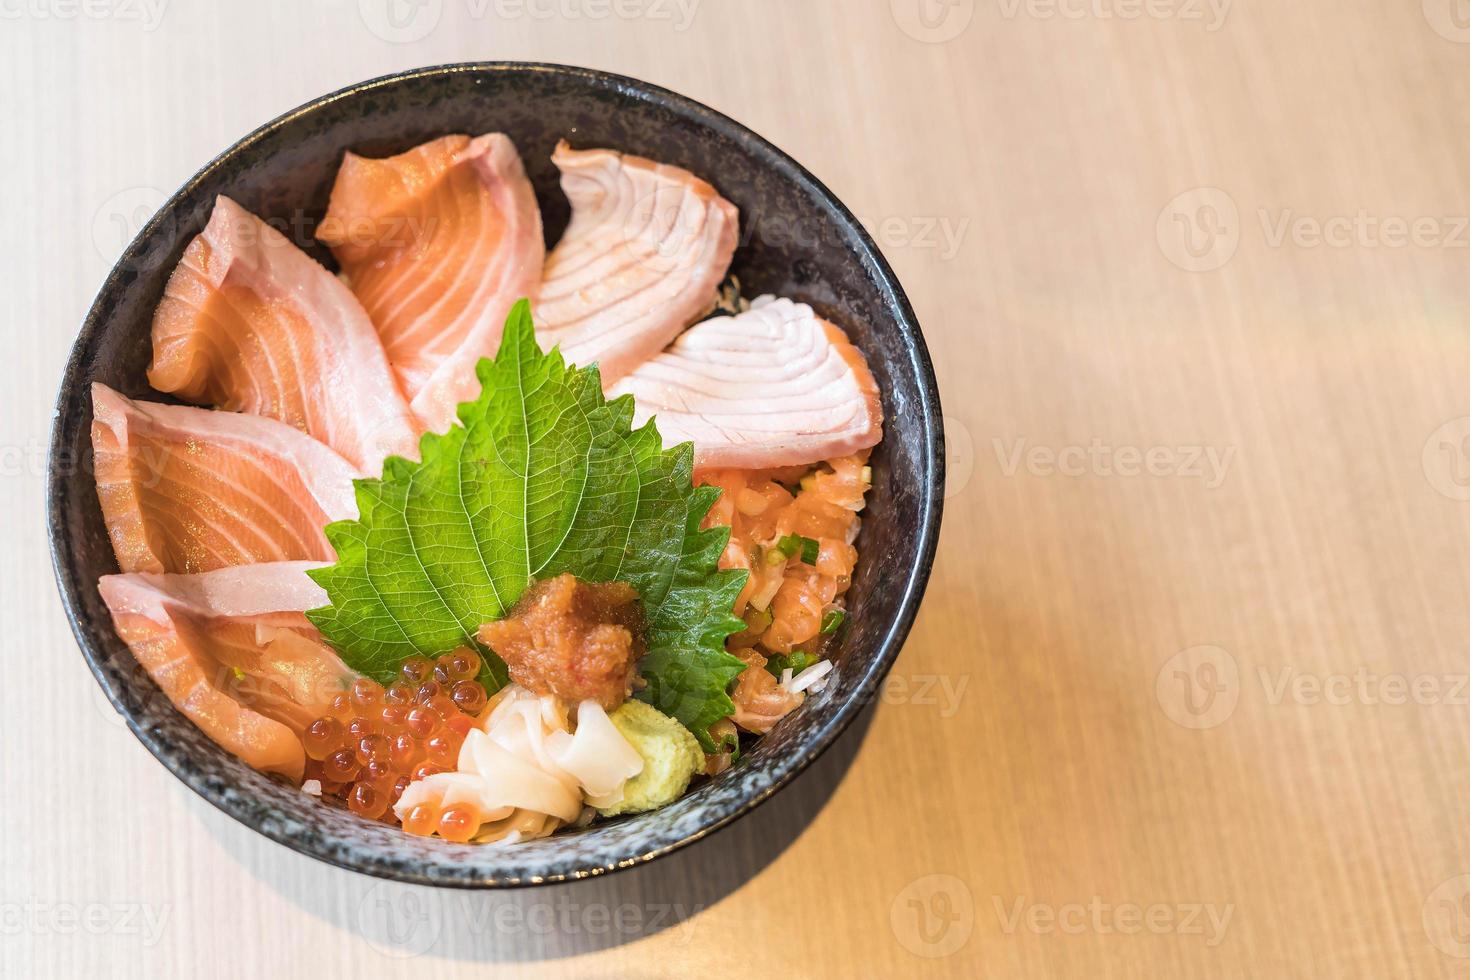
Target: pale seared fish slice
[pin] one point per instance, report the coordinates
(189, 490)
(233, 650)
(647, 246)
(774, 386)
(250, 323)
(437, 243)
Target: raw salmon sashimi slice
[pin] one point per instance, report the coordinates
(233, 650)
(437, 243)
(775, 386)
(251, 323)
(646, 249)
(189, 490)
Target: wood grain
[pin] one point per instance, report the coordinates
(1049, 747)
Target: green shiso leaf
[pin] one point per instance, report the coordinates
(542, 476)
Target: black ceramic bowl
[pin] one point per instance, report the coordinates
(797, 240)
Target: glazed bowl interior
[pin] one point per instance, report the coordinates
(796, 241)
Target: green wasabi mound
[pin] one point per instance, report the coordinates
(671, 756)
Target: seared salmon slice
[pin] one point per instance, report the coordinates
(189, 490)
(775, 386)
(232, 649)
(437, 243)
(250, 323)
(646, 249)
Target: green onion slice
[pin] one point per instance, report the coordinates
(796, 660)
(793, 544)
(831, 620)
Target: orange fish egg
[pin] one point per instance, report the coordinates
(373, 742)
(459, 823)
(422, 820)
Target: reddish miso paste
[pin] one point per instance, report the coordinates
(577, 640)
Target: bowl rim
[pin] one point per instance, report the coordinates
(931, 492)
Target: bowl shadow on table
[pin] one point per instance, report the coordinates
(550, 922)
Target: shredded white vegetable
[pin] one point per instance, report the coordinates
(809, 678)
(762, 599)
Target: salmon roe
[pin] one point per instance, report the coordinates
(457, 823)
(373, 741)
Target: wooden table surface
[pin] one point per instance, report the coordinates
(1188, 695)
